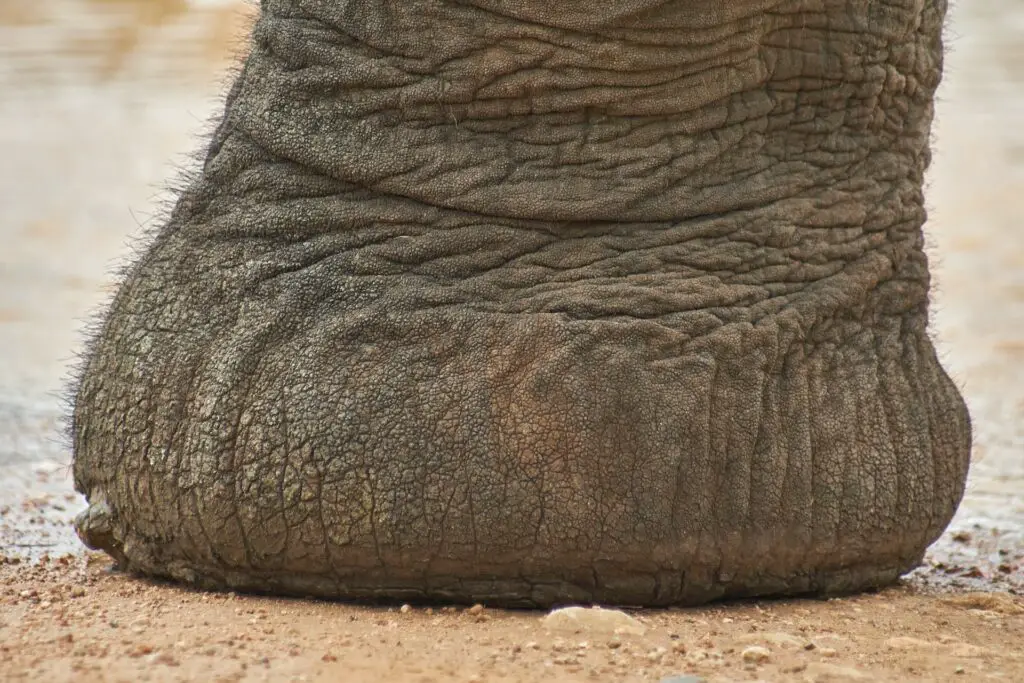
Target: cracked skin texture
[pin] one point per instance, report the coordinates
(539, 302)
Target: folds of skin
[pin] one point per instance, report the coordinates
(536, 302)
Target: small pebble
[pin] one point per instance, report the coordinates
(756, 654)
(165, 658)
(656, 654)
(141, 650)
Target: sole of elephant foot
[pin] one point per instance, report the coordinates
(522, 593)
(612, 584)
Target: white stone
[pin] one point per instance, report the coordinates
(593, 620)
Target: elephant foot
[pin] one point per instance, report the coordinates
(605, 582)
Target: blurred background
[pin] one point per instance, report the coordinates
(102, 102)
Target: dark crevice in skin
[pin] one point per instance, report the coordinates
(502, 303)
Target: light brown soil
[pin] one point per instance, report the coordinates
(73, 619)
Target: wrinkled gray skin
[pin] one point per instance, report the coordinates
(531, 302)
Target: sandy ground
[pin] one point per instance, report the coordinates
(72, 619)
(103, 99)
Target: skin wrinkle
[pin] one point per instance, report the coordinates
(537, 308)
(633, 108)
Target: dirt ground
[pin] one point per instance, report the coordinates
(72, 619)
(102, 102)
